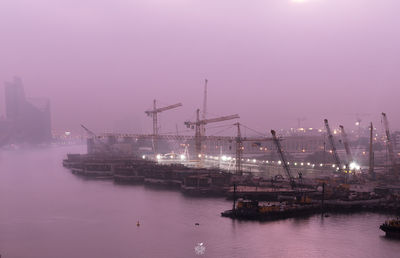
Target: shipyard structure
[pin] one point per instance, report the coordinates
(269, 175)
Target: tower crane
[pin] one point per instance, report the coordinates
(153, 113)
(283, 158)
(389, 142)
(346, 146)
(332, 142)
(240, 147)
(197, 126)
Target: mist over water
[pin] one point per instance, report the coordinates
(48, 212)
(270, 61)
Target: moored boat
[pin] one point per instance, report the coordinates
(391, 228)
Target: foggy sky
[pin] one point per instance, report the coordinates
(101, 63)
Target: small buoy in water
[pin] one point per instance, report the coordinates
(197, 224)
(327, 215)
(137, 224)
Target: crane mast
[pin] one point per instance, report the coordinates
(332, 142)
(283, 158)
(346, 146)
(389, 142)
(203, 128)
(371, 152)
(239, 150)
(154, 114)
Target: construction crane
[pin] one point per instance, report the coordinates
(240, 147)
(153, 113)
(197, 126)
(389, 143)
(332, 142)
(283, 158)
(346, 147)
(371, 152)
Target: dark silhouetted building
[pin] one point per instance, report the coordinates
(27, 120)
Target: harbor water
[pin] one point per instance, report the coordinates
(47, 212)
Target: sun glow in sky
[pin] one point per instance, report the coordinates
(299, 1)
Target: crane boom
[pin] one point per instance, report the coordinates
(389, 141)
(346, 146)
(88, 131)
(332, 142)
(283, 158)
(159, 110)
(212, 120)
(103, 145)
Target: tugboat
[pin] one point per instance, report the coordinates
(391, 228)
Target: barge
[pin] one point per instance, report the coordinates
(391, 228)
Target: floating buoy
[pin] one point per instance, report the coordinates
(197, 224)
(137, 224)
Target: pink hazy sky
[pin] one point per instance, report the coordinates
(101, 63)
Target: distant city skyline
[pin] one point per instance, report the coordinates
(27, 120)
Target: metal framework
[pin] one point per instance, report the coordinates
(346, 146)
(389, 143)
(197, 126)
(283, 158)
(153, 113)
(332, 142)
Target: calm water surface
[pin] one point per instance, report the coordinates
(47, 212)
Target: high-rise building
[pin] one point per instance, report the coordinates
(27, 120)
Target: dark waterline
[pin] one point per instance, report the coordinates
(47, 212)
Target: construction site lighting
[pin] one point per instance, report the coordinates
(183, 157)
(143, 157)
(354, 166)
(158, 156)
